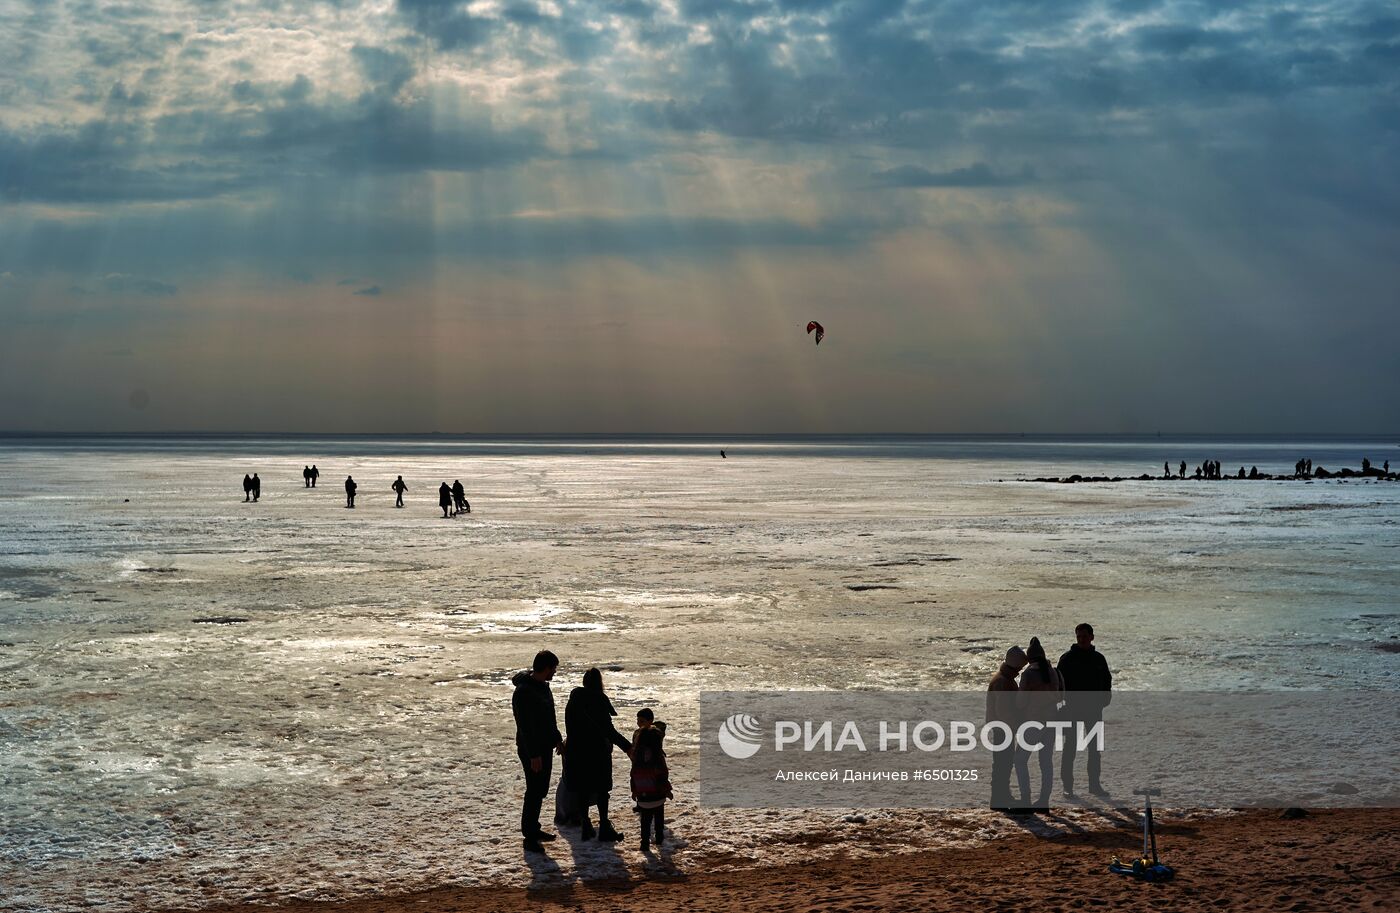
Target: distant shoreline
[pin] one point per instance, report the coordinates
(1374, 475)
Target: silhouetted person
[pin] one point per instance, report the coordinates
(1241, 475)
(591, 735)
(1386, 468)
(1365, 464)
(459, 498)
(1309, 469)
(247, 487)
(1088, 690)
(536, 736)
(306, 476)
(1254, 472)
(315, 474)
(1166, 470)
(1197, 473)
(444, 499)
(1004, 705)
(257, 487)
(651, 780)
(722, 456)
(1042, 689)
(350, 487)
(1183, 469)
(399, 488)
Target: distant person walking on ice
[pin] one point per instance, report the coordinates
(247, 487)
(1088, 690)
(315, 474)
(306, 476)
(257, 487)
(399, 488)
(350, 487)
(1183, 469)
(459, 498)
(444, 499)
(536, 736)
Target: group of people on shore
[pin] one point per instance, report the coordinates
(585, 748)
(1026, 687)
(1078, 688)
(451, 498)
(1302, 469)
(1206, 469)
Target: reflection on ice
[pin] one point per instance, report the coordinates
(314, 744)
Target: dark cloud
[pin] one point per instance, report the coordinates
(387, 70)
(371, 291)
(119, 283)
(976, 175)
(447, 23)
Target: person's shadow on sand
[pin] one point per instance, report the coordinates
(594, 860)
(544, 872)
(658, 861)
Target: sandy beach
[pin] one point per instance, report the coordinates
(1329, 860)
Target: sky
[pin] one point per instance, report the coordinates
(618, 216)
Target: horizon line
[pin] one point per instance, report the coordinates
(698, 435)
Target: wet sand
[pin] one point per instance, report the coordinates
(1329, 860)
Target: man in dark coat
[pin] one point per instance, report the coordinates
(591, 737)
(536, 736)
(1088, 690)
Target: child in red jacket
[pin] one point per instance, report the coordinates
(651, 782)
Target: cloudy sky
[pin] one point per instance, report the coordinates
(618, 215)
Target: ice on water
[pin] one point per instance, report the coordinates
(206, 700)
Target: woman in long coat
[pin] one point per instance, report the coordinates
(591, 736)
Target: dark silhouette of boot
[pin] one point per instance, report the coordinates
(533, 846)
(606, 834)
(588, 832)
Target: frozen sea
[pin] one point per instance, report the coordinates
(204, 700)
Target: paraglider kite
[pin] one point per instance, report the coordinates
(821, 331)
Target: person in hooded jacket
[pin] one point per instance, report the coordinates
(591, 736)
(1004, 705)
(247, 487)
(1042, 692)
(444, 499)
(1088, 687)
(536, 736)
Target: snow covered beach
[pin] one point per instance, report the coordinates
(204, 700)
